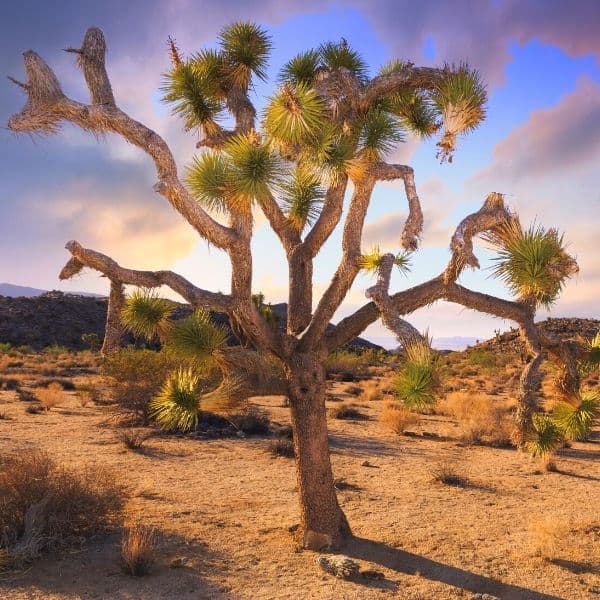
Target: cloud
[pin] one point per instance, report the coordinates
(554, 139)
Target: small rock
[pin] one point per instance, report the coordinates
(339, 565)
(179, 562)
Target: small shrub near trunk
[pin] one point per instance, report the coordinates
(282, 447)
(252, 421)
(397, 417)
(345, 411)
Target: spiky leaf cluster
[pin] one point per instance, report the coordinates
(379, 134)
(301, 198)
(372, 261)
(414, 111)
(591, 358)
(266, 310)
(545, 437)
(209, 179)
(148, 315)
(418, 378)
(177, 404)
(197, 337)
(576, 421)
(245, 48)
(533, 262)
(294, 115)
(302, 69)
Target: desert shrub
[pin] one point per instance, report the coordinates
(139, 549)
(251, 421)
(447, 473)
(482, 358)
(282, 447)
(481, 419)
(44, 505)
(35, 408)
(546, 536)
(347, 365)
(397, 417)
(132, 439)
(50, 396)
(5, 347)
(576, 421)
(9, 383)
(91, 340)
(55, 350)
(353, 390)
(134, 378)
(65, 384)
(417, 380)
(371, 391)
(345, 411)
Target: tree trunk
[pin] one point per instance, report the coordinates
(113, 332)
(527, 403)
(324, 524)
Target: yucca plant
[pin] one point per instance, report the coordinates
(414, 110)
(575, 421)
(294, 115)
(545, 437)
(196, 337)
(301, 198)
(341, 55)
(209, 178)
(460, 98)
(417, 381)
(302, 69)
(591, 355)
(147, 315)
(178, 403)
(532, 262)
(372, 261)
(246, 48)
(379, 134)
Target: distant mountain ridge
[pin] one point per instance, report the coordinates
(21, 291)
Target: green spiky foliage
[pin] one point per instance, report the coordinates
(302, 69)
(394, 66)
(591, 358)
(177, 404)
(301, 198)
(418, 379)
(533, 262)
(194, 92)
(266, 310)
(379, 134)
(295, 115)
(148, 315)
(341, 55)
(460, 98)
(576, 421)
(197, 337)
(209, 179)
(246, 48)
(255, 167)
(545, 437)
(372, 261)
(414, 111)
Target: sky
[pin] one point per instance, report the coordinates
(540, 143)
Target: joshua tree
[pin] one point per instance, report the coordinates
(321, 143)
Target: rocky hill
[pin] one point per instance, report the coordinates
(564, 328)
(57, 318)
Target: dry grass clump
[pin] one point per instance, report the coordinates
(139, 549)
(546, 536)
(448, 474)
(371, 391)
(345, 411)
(50, 396)
(251, 421)
(133, 439)
(44, 505)
(397, 417)
(481, 419)
(353, 389)
(282, 447)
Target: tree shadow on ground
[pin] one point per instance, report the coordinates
(576, 566)
(407, 563)
(95, 571)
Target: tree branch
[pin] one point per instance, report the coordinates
(198, 298)
(47, 106)
(414, 222)
(490, 215)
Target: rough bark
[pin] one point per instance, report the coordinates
(113, 332)
(324, 524)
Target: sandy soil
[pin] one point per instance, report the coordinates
(224, 506)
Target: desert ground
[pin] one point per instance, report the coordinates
(435, 513)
